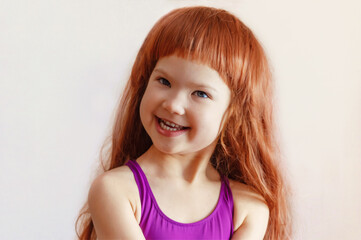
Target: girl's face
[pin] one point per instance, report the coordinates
(183, 106)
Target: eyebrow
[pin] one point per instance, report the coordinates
(161, 71)
(194, 84)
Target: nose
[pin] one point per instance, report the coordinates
(175, 104)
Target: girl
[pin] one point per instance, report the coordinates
(193, 152)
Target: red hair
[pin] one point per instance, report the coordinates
(247, 149)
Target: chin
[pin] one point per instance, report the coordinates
(167, 150)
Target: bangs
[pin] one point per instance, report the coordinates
(209, 36)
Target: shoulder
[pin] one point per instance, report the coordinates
(113, 185)
(114, 201)
(115, 175)
(115, 181)
(251, 212)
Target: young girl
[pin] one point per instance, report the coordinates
(193, 152)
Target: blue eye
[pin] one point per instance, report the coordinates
(201, 94)
(164, 81)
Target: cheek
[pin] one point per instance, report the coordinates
(141, 111)
(208, 122)
(144, 107)
(213, 120)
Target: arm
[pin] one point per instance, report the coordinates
(111, 210)
(251, 213)
(255, 224)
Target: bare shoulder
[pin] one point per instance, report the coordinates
(246, 195)
(114, 201)
(116, 176)
(114, 185)
(117, 182)
(251, 212)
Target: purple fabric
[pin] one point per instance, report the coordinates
(156, 225)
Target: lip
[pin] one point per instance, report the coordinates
(168, 133)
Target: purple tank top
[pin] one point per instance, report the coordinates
(156, 225)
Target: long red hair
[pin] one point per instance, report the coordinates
(247, 149)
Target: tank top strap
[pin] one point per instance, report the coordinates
(141, 181)
(228, 191)
(228, 197)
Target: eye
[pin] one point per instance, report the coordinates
(201, 94)
(164, 81)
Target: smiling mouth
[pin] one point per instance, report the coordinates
(169, 126)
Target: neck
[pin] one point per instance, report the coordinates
(188, 167)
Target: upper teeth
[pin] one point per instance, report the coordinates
(172, 124)
(174, 127)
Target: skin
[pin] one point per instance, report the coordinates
(177, 165)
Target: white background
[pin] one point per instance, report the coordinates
(63, 65)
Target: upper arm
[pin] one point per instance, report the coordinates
(255, 224)
(111, 210)
(251, 213)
